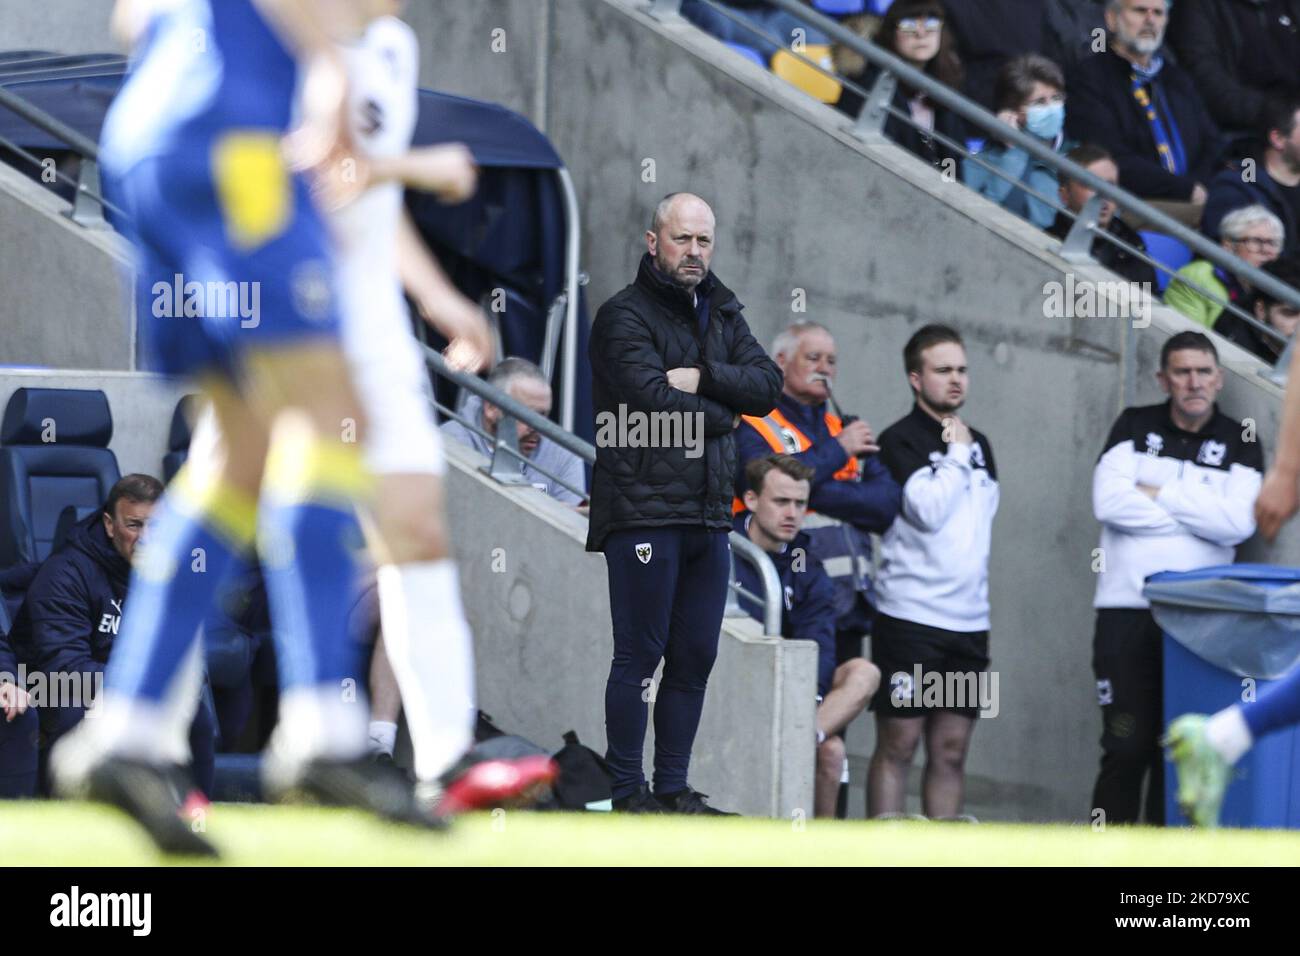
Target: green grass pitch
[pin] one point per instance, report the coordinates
(69, 834)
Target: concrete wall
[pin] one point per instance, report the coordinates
(877, 244)
(539, 607)
(141, 406)
(61, 26)
(65, 298)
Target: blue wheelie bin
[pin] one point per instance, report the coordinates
(1229, 632)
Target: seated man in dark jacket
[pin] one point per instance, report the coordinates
(19, 729)
(1271, 180)
(70, 616)
(853, 494)
(1241, 53)
(777, 500)
(1146, 112)
(1075, 195)
(1281, 317)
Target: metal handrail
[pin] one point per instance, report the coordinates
(892, 67)
(504, 440)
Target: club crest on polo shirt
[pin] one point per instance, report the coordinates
(1154, 444)
(1105, 693)
(643, 552)
(1212, 453)
(977, 456)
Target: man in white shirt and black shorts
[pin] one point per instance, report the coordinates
(932, 626)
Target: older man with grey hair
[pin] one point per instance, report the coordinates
(547, 467)
(1147, 112)
(1252, 234)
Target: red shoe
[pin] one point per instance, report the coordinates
(480, 784)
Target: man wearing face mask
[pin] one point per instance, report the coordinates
(1030, 98)
(1147, 112)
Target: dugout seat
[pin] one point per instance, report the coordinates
(178, 439)
(53, 453)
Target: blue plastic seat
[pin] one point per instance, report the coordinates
(879, 7)
(749, 52)
(840, 8)
(178, 439)
(53, 453)
(1168, 251)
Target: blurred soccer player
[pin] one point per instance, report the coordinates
(192, 151)
(1202, 748)
(426, 637)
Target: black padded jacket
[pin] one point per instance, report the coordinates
(638, 335)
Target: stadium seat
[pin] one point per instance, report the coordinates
(1169, 252)
(840, 8)
(879, 7)
(747, 51)
(68, 518)
(799, 74)
(53, 453)
(178, 439)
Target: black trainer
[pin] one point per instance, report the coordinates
(642, 801)
(381, 788)
(690, 801)
(151, 795)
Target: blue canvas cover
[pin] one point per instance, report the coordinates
(1243, 618)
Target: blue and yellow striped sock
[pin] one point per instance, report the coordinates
(309, 532)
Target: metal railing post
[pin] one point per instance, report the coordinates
(870, 124)
(1077, 246)
(504, 467)
(87, 204)
(665, 9)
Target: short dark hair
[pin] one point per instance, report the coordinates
(925, 337)
(135, 488)
(1085, 154)
(1279, 114)
(1283, 270)
(757, 470)
(1187, 340)
(1017, 77)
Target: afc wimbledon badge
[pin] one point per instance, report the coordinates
(643, 552)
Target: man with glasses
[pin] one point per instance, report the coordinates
(1252, 234)
(1146, 111)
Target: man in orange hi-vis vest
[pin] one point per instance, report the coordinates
(853, 494)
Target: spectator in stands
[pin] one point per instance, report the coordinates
(1030, 98)
(524, 382)
(1243, 54)
(1075, 195)
(19, 730)
(1252, 234)
(776, 496)
(1146, 111)
(72, 610)
(763, 21)
(1280, 316)
(932, 587)
(853, 493)
(673, 344)
(1174, 489)
(988, 33)
(916, 31)
(1272, 181)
